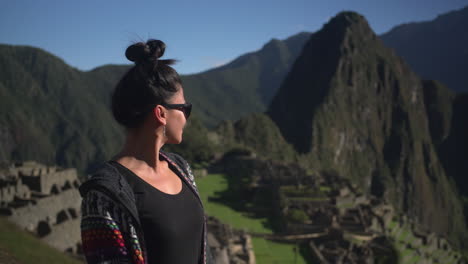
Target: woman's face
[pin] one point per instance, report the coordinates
(175, 119)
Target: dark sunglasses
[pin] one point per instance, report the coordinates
(185, 108)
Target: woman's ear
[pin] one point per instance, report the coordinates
(160, 114)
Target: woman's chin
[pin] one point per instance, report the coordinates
(174, 141)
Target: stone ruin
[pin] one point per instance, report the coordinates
(229, 246)
(43, 200)
(342, 225)
(338, 223)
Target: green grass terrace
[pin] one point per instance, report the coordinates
(235, 212)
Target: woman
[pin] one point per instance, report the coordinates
(143, 205)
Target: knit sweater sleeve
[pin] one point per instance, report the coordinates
(107, 233)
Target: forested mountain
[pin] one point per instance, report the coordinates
(51, 112)
(437, 49)
(55, 114)
(352, 106)
(257, 133)
(245, 85)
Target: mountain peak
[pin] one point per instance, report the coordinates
(345, 20)
(350, 105)
(349, 17)
(330, 54)
(273, 44)
(350, 28)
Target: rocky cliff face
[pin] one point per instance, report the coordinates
(446, 114)
(453, 150)
(350, 105)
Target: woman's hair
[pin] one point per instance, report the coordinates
(149, 83)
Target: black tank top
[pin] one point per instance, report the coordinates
(172, 224)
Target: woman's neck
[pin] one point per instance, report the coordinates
(141, 148)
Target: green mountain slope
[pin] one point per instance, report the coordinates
(51, 112)
(245, 85)
(55, 114)
(257, 133)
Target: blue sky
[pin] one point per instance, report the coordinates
(200, 34)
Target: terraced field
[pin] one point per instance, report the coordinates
(412, 251)
(266, 252)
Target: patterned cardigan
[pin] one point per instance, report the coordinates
(110, 227)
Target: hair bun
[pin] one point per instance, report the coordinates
(141, 52)
(156, 48)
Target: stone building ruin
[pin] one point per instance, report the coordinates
(43, 200)
(229, 246)
(337, 222)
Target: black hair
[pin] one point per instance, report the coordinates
(149, 82)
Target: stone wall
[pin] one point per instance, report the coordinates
(65, 236)
(229, 246)
(50, 181)
(32, 168)
(11, 188)
(43, 200)
(46, 210)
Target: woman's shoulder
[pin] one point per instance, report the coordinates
(180, 162)
(175, 158)
(106, 176)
